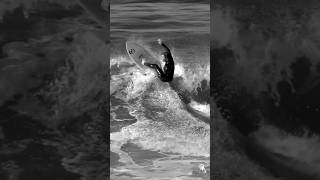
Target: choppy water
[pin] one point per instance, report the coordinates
(160, 130)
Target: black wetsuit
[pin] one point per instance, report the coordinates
(168, 70)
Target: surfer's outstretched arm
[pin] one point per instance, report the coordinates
(163, 45)
(166, 47)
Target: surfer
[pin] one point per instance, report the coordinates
(165, 75)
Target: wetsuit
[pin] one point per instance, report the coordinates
(168, 70)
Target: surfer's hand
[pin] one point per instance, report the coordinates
(159, 41)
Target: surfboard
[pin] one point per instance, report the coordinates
(136, 52)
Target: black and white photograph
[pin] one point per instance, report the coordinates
(266, 89)
(159, 89)
(53, 66)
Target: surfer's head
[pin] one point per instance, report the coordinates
(164, 58)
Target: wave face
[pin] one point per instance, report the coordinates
(266, 59)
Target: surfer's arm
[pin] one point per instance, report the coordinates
(166, 47)
(163, 45)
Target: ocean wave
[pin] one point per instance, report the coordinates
(191, 81)
(260, 60)
(229, 160)
(303, 148)
(163, 123)
(162, 126)
(266, 63)
(70, 81)
(79, 86)
(270, 69)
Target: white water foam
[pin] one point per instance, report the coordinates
(304, 148)
(204, 108)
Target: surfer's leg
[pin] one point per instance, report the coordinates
(159, 71)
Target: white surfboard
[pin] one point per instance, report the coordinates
(136, 52)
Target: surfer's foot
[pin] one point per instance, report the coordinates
(159, 41)
(143, 61)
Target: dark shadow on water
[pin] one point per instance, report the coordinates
(140, 156)
(114, 160)
(41, 162)
(22, 145)
(297, 109)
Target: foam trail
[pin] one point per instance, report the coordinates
(205, 108)
(304, 148)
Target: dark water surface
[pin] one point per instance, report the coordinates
(52, 103)
(266, 56)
